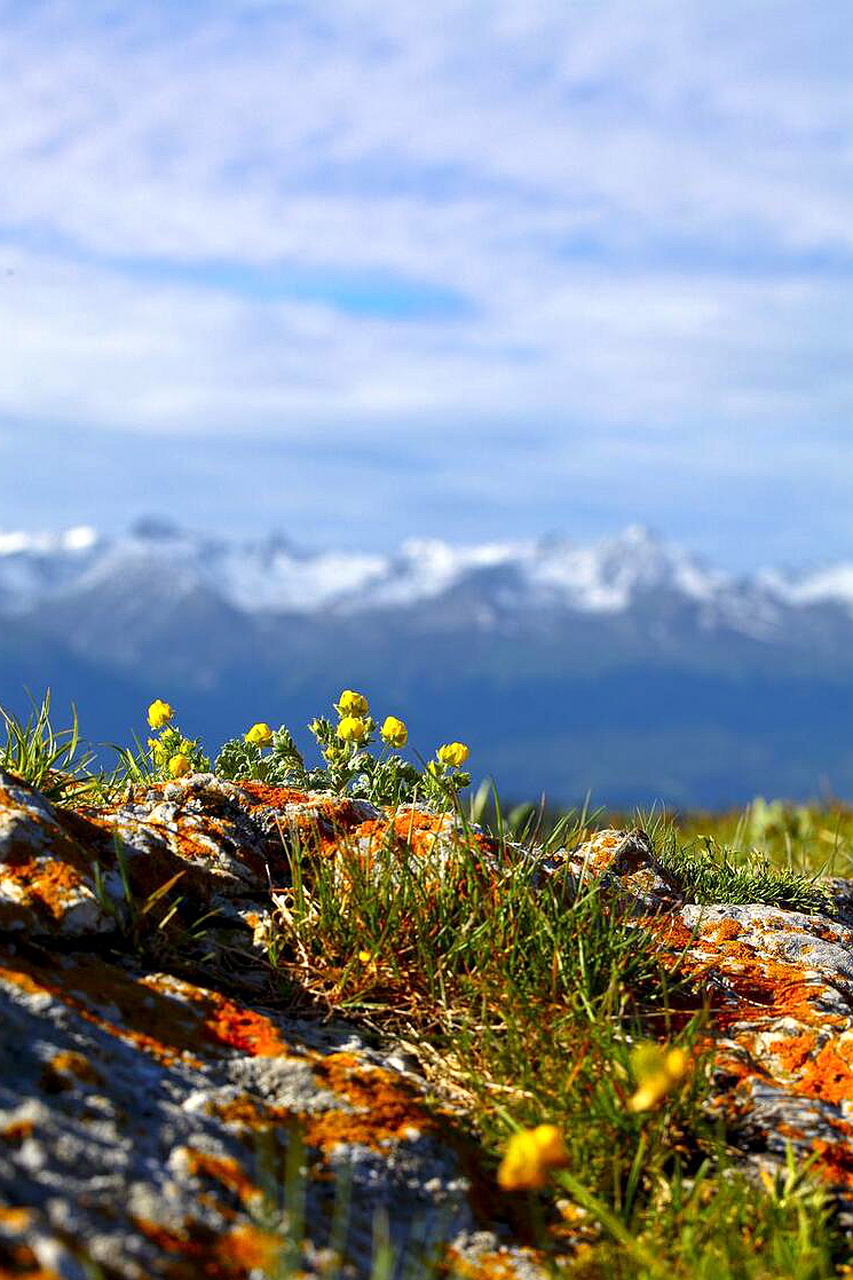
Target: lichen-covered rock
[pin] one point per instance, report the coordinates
(624, 863)
(780, 987)
(152, 1116)
(145, 1124)
(149, 1122)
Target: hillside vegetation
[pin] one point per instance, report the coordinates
(548, 972)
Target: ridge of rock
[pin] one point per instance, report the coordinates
(146, 1115)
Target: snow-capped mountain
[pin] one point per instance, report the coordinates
(166, 564)
(627, 665)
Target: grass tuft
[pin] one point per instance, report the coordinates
(526, 1007)
(50, 759)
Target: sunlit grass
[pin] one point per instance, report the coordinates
(531, 1008)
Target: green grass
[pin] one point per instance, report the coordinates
(51, 759)
(528, 1003)
(712, 871)
(525, 1005)
(809, 839)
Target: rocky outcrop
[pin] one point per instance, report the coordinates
(155, 1118)
(148, 1120)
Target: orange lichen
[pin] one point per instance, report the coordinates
(340, 812)
(723, 931)
(827, 1076)
(492, 1265)
(247, 1248)
(163, 1017)
(227, 1023)
(758, 988)
(224, 1170)
(241, 1028)
(64, 1069)
(261, 793)
(793, 1051)
(197, 1252)
(243, 1111)
(69, 1062)
(46, 885)
(17, 1132)
(419, 831)
(835, 1161)
(384, 1108)
(15, 1217)
(158, 1025)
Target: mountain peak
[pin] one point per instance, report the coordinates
(501, 579)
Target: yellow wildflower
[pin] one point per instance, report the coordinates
(159, 713)
(530, 1155)
(455, 753)
(260, 734)
(352, 729)
(351, 703)
(394, 732)
(179, 765)
(365, 957)
(657, 1070)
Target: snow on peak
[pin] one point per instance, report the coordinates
(34, 566)
(272, 576)
(79, 538)
(832, 584)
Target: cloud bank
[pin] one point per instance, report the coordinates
(595, 238)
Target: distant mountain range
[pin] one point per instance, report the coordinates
(627, 667)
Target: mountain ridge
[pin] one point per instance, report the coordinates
(629, 667)
(272, 575)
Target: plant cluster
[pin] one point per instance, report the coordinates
(580, 1057)
(171, 753)
(360, 758)
(51, 759)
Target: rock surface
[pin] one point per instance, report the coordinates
(146, 1118)
(152, 1122)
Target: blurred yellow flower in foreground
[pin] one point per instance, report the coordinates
(394, 732)
(351, 703)
(530, 1155)
(260, 734)
(159, 713)
(179, 765)
(455, 753)
(656, 1070)
(352, 729)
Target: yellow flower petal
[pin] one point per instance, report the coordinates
(522, 1167)
(394, 732)
(352, 729)
(159, 713)
(552, 1149)
(656, 1070)
(260, 734)
(351, 703)
(529, 1156)
(453, 753)
(179, 765)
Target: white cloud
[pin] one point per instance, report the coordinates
(82, 344)
(646, 209)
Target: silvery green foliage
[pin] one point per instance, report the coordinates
(350, 768)
(280, 765)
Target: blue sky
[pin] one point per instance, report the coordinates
(359, 270)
